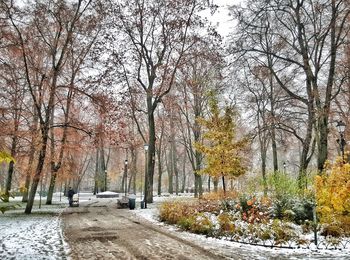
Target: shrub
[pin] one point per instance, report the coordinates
(333, 195)
(172, 212)
(264, 234)
(332, 230)
(5, 205)
(226, 222)
(307, 226)
(215, 201)
(201, 224)
(186, 222)
(220, 195)
(252, 209)
(283, 232)
(303, 210)
(212, 206)
(283, 190)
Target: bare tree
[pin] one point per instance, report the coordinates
(157, 34)
(305, 38)
(52, 27)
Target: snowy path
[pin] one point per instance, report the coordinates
(35, 236)
(97, 230)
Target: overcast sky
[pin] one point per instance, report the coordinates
(221, 16)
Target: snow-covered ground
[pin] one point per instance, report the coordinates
(256, 252)
(34, 236)
(39, 235)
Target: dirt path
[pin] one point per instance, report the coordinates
(97, 230)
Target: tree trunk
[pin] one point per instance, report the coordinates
(134, 168)
(54, 169)
(96, 172)
(51, 187)
(183, 175)
(263, 155)
(323, 142)
(29, 172)
(102, 176)
(306, 154)
(11, 166)
(160, 171)
(151, 147)
(223, 184)
(263, 168)
(209, 180)
(216, 184)
(198, 191)
(9, 181)
(27, 184)
(170, 173)
(38, 171)
(272, 112)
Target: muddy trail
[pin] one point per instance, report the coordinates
(98, 230)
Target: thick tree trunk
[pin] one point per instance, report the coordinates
(54, 169)
(9, 181)
(51, 187)
(323, 142)
(29, 172)
(38, 171)
(305, 153)
(151, 145)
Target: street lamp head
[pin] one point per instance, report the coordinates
(145, 146)
(126, 162)
(341, 127)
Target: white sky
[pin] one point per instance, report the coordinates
(221, 17)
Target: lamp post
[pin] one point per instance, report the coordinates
(146, 177)
(126, 175)
(341, 129)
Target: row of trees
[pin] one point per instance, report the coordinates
(87, 83)
(79, 77)
(295, 73)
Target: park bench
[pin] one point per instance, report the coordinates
(123, 203)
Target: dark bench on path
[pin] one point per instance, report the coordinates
(123, 203)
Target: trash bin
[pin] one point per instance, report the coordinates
(142, 204)
(132, 202)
